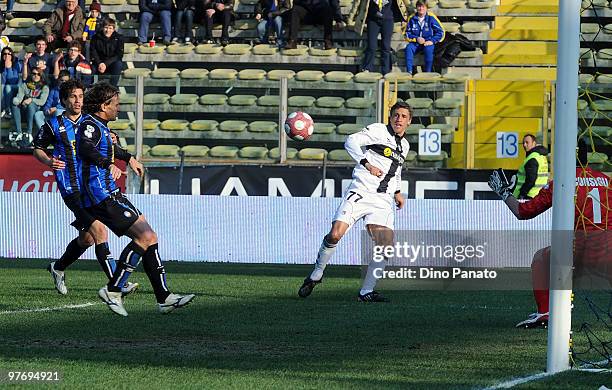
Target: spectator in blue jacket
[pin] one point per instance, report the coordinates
(423, 32)
(53, 105)
(11, 68)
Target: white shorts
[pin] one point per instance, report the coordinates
(375, 209)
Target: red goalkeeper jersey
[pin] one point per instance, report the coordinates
(593, 201)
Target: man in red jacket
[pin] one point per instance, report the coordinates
(592, 223)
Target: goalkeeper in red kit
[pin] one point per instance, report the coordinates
(592, 224)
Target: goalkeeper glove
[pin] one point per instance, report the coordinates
(499, 183)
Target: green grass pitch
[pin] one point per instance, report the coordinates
(248, 329)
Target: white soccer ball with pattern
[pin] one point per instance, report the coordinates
(299, 126)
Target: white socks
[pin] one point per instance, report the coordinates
(326, 251)
(369, 282)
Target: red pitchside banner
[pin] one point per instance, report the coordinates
(23, 173)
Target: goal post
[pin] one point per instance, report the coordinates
(566, 120)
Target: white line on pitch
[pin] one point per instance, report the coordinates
(520, 381)
(43, 309)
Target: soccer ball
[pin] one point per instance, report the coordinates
(299, 126)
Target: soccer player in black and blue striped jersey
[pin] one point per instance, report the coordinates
(59, 131)
(103, 200)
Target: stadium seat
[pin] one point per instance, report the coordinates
(351, 53)
(184, 99)
(222, 74)
(329, 102)
(208, 49)
(309, 75)
(180, 49)
(237, 49)
(582, 104)
(451, 27)
(410, 158)
(156, 50)
(156, 98)
(480, 4)
(268, 101)
(349, 128)
(223, 152)
(301, 50)
(448, 103)
(432, 161)
(21, 23)
(119, 125)
(213, 99)
(338, 76)
(312, 154)
(451, 4)
(359, 103)
(252, 74)
(277, 74)
(321, 52)
(242, 100)
(135, 72)
(367, 77)
(127, 99)
(204, 125)
(150, 124)
(245, 24)
(132, 149)
(426, 77)
(165, 73)
(233, 126)
(190, 74)
(589, 28)
(444, 128)
(174, 125)
(419, 103)
(195, 150)
(264, 50)
(601, 105)
(470, 53)
(604, 79)
(324, 128)
(585, 78)
(254, 152)
(129, 48)
(474, 27)
(274, 153)
(263, 127)
(301, 101)
(164, 151)
(455, 78)
(339, 155)
(400, 77)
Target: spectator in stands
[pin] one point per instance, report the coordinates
(10, 4)
(423, 32)
(107, 52)
(315, 12)
(216, 11)
(92, 25)
(269, 14)
(532, 175)
(53, 105)
(380, 17)
(185, 10)
(75, 63)
(65, 25)
(40, 60)
(150, 9)
(11, 68)
(31, 96)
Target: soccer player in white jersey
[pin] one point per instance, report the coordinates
(379, 151)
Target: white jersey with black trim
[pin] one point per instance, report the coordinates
(380, 146)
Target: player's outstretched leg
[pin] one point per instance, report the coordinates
(74, 250)
(540, 271)
(326, 251)
(381, 235)
(156, 273)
